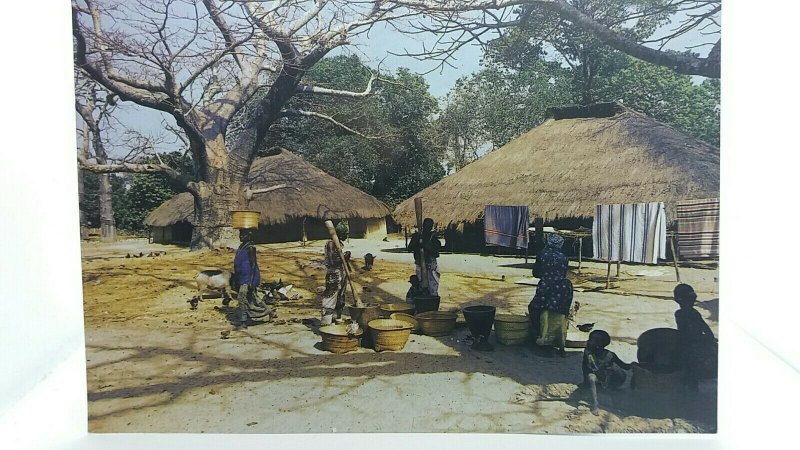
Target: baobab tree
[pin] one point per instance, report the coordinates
(223, 71)
(94, 108)
(457, 23)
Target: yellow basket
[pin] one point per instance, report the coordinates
(436, 323)
(245, 219)
(335, 339)
(406, 318)
(388, 334)
(511, 329)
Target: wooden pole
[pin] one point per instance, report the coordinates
(580, 253)
(335, 239)
(423, 266)
(618, 263)
(608, 275)
(538, 224)
(675, 258)
(304, 236)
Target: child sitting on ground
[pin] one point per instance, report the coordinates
(415, 290)
(601, 365)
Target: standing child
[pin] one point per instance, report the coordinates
(601, 366)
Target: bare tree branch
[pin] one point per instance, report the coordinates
(454, 16)
(137, 168)
(309, 89)
(300, 112)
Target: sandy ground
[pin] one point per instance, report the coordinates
(155, 365)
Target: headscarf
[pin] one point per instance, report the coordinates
(554, 240)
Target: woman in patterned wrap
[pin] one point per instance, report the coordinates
(550, 305)
(335, 283)
(247, 278)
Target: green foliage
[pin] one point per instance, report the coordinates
(544, 35)
(671, 98)
(495, 105)
(397, 160)
(143, 193)
(549, 62)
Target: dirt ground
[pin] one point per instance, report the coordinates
(155, 365)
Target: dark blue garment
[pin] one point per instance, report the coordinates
(506, 226)
(554, 291)
(244, 273)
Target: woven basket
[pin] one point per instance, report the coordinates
(335, 339)
(406, 318)
(388, 334)
(245, 219)
(511, 329)
(436, 323)
(388, 308)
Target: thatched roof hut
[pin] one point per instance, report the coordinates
(311, 193)
(578, 158)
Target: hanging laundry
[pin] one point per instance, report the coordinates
(506, 226)
(698, 228)
(634, 232)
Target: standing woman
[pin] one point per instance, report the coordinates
(429, 243)
(247, 278)
(335, 283)
(550, 305)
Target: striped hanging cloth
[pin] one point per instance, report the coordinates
(698, 228)
(634, 232)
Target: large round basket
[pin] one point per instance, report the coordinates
(388, 308)
(388, 334)
(406, 318)
(245, 219)
(335, 339)
(511, 329)
(436, 323)
(363, 315)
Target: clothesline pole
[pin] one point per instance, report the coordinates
(675, 258)
(608, 274)
(618, 264)
(580, 253)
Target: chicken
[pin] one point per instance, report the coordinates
(586, 327)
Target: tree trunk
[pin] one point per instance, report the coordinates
(108, 229)
(81, 214)
(81, 185)
(216, 197)
(212, 219)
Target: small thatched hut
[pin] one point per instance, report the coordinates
(312, 196)
(578, 158)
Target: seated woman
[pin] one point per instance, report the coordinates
(691, 348)
(696, 346)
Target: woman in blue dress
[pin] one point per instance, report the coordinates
(550, 305)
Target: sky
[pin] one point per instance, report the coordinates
(377, 48)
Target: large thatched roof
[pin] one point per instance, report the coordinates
(578, 158)
(320, 195)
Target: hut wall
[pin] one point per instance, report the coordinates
(179, 233)
(374, 228)
(162, 235)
